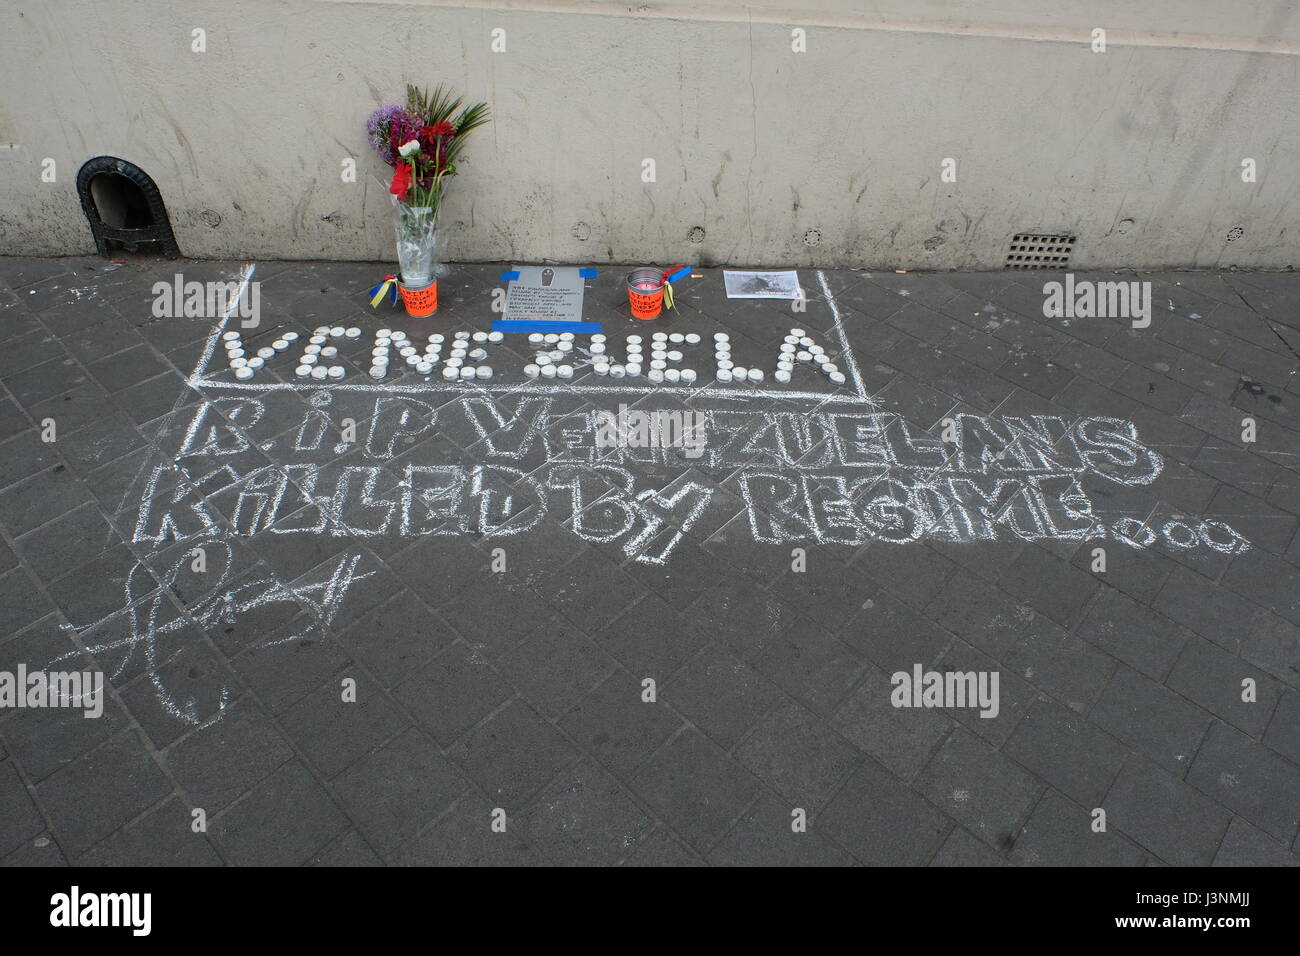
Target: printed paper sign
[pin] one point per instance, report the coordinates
(544, 294)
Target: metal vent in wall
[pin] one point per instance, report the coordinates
(1039, 251)
(124, 207)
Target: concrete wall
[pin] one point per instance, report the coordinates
(1137, 150)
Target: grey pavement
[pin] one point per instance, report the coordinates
(464, 633)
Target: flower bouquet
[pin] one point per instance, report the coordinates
(422, 142)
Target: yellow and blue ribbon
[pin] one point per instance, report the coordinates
(677, 272)
(387, 287)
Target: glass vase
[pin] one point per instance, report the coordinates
(417, 244)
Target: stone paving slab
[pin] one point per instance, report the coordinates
(432, 622)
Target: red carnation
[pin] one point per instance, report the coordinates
(444, 129)
(401, 186)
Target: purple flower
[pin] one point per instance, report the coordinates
(382, 127)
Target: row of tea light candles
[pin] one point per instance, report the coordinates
(466, 348)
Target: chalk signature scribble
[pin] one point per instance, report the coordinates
(154, 627)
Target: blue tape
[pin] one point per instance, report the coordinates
(544, 325)
(587, 273)
(509, 274)
(680, 274)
